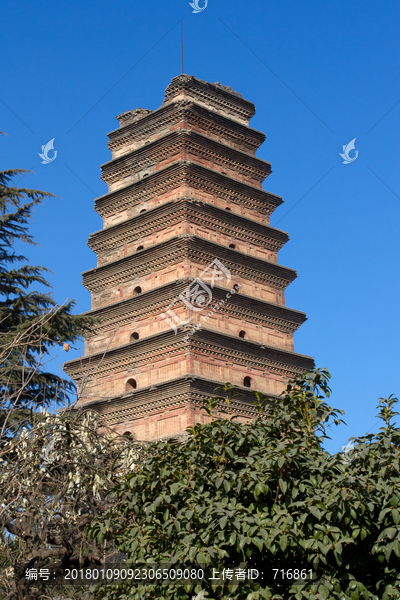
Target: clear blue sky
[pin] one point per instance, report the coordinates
(320, 74)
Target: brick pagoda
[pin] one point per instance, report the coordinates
(187, 284)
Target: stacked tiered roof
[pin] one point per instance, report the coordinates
(187, 285)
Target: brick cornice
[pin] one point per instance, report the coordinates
(186, 391)
(184, 141)
(204, 342)
(216, 97)
(191, 210)
(191, 247)
(168, 115)
(193, 176)
(157, 300)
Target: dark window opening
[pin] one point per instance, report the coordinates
(232, 246)
(138, 290)
(134, 336)
(130, 385)
(247, 382)
(242, 334)
(139, 248)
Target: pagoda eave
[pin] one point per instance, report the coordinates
(137, 131)
(196, 212)
(158, 299)
(191, 175)
(191, 143)
(191, 247)
(204, 341)
(166, 398)
(222, 99)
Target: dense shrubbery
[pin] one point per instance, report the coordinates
(266, 494)
(54, 476)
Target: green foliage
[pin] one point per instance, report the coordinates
(31, 322)
(268, 496)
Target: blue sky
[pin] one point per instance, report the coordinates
(319, 74)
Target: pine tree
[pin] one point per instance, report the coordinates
(31, 322)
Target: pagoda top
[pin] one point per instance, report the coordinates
(216, 97)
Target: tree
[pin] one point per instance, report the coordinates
(54, 476)
(266, 496)
(55, 470)
(31, 322)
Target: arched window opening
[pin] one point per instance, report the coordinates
(242, 334)
(130, 385)
(139, 248)
(227, 208)
(232, 246)
(143, 210)
(127, 434)
(134, 336)
(138, 290)
(247, 381)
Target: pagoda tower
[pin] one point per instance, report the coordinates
(187, 285)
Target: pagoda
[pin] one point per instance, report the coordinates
(187, 285)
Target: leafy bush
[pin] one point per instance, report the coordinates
(265, 495)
